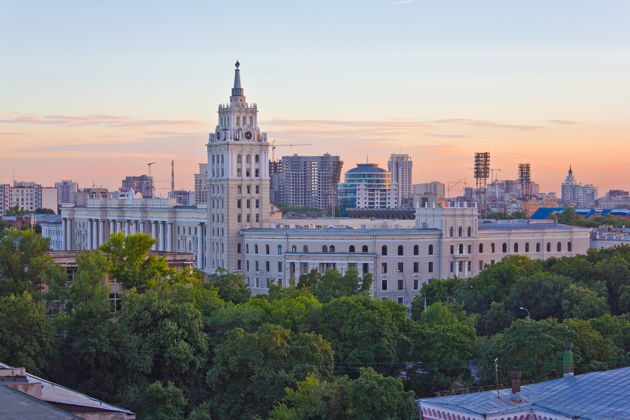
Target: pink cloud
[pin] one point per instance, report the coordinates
(96, 120)
(564, 122)
(488, 124)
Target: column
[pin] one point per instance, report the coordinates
(154, 233)
(64, 232)
(101, 232)
(88, 245)
(112, 226)
(132, 225)
(125, 226)
(94, 243)
(160, 236)
(169, 239)
(200, 246)
(69, 234)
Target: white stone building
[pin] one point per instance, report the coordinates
(237, 230)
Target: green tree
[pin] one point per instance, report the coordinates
(131, 264)
(44, 211)
(24, 265)
(15, 211)
(332, 284)
(494, 320)
(231, 286)
(364, 331)
(26, 334)
(159, 402)
(370, 396)
(250, 370)
(614, 272)
(583, 303)
(541, 293)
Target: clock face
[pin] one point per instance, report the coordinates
(248, 135)
(218, 135)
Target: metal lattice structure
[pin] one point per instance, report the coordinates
(482, 173)
(525, 178)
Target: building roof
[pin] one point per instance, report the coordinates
(336, 230)
(596, 395)
(366, 168)
(18, 405)
(58, 394)
(524, 225)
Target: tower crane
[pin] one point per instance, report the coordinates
(149, 166)
(451, 185)
(274, 145)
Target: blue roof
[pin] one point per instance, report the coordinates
(546, 212)
(596, 395)
(366, 167)
(528, 226)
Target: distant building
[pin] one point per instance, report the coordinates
(201, 186)
(427, 194)
(51, 229)
(5, 198)
(367, 187)
(400, 168)
(31, 196)
(66, 190)
(308, 181)
(142, 184)
(276, 186)
(613, 199)
(82, 196)
(183, 197)
(574, 193)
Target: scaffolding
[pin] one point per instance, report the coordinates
(482, 173)
(525, 178)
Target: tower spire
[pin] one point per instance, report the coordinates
(237, 90)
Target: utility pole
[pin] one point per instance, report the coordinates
(172, 176)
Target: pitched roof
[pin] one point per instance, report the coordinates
(596, 395)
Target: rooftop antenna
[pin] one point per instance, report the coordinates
(172, 176)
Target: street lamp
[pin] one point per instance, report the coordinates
(528, 315)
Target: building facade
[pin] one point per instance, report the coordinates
(31, 196)
(66, 191)
(308, 181)
(367, 186)
(142, 184)
(577, 194)
(201, 187)
(400, 167)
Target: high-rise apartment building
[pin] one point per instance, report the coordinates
(577, 194)
(201, 187)
(142, 184)
(309, 181)
(66, 191)
(400, 167)
(367, 187)
(31, 196)
(5, 198)
(238, 179)
(276, 186)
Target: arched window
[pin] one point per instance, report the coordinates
(492, 248)
(450, 231)
(293, 248)
(460, 231)
(461, 248)
(515, 246)
(481, 248)
(305, 248)
(469, 231)
(351, 248)
(431, 249)
(267, 249)
(256, 249)
(548, 246)
(416, 250)
(537, 246)
(247, 159)
(256, 158)
(504, 247)
(331, 248)
(239, 158)
(526, 246)
(364, 249)
(569, 246)
(384, 250)
(324, 248)
(400, 250)
(559, 247)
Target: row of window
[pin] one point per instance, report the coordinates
(460, 231)
(332, 248)
(400, 267)
(504, 247)
(400, 286)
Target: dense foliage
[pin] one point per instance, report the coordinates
(186, 346)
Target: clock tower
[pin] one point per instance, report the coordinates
(238, 180)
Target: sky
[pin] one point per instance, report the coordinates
(93, 91)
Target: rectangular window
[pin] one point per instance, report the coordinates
(470, 249)
(238, 204)
(469, 265)
(416, 284)
(452, 267)
(247, 264)
(239, 218)
(256, 172)
(452, 249)
(249, 189)
(257, 204)
(257, 217)
(267, 266)
(239, 189)
(249, 204)
(384, 268)
(430, 266)
(383, 284)
(238, 264)
(401, 267)
(480, 265)
(257, 189)
(401, 300)
(416, 267)
(257, 265)
(249, 218)
(279, 266)
(400, 284)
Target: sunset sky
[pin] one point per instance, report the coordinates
(94, 90)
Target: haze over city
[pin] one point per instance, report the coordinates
(95, 92)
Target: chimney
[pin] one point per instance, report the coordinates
(516, 385)
(567, 359)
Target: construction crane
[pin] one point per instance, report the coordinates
(149, 166)
(453, 184)
(274, 145)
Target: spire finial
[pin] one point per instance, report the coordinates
(237, 64)
(237, 90)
